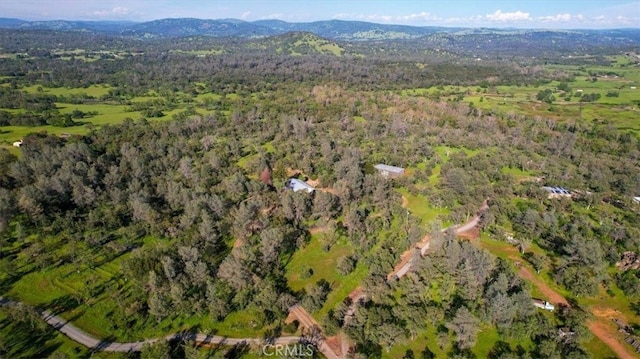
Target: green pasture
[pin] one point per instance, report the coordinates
(517, 173)
(420, 207)
(623, 109)
(598, 349)
(85, 296)
(425, 338)
(93, 90)
(322, 263)
(20, 344)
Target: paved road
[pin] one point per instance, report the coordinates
(89, 341)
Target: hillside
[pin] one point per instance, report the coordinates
(336, 30)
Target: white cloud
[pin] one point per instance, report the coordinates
(508, 16)
(116, 12)
(410, 18)
(499, 18)
(277, 15)
(376, 17)
(422, 16)
(556, 18)
(245, 15)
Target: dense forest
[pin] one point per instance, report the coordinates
(198, 209)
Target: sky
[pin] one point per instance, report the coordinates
(554, 14)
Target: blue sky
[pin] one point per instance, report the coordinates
(478, 13)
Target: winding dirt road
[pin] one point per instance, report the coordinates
(91, 342)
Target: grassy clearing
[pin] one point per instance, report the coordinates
(421, 208)
(622, 109)
(324, 264)
(21, 344)
(517, 173)
(341, 290)
(93, 90)
(426, 338)
(321, 262)
(598, 349)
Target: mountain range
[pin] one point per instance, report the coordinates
(330, 29)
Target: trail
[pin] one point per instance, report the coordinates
(78, 335)
(551, 295)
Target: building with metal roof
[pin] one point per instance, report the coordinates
(389, 171)
(298, 185)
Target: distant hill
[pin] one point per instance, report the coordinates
(65, 25)
(299, 43)
(354, 30)
(191, 27)
(9, 23)
(332, 29)
(469, 41)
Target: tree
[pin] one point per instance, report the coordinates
(158, 306)
(465, 326)
(346, 264)
(159, 349)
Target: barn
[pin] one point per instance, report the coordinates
(389, 171)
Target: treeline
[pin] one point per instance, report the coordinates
(242, 65)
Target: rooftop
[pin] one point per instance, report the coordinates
(557, 190)
(391, 169)
(298, 185)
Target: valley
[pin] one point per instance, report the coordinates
(144, 190)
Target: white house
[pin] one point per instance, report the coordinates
(389, 171)
(298, 185)
(636, 200)
(17, 143)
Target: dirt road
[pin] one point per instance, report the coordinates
(298, 313)
(603, 332)
(82, 337)
(551, 295)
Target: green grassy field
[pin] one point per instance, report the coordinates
(421, 208)
(622, 108)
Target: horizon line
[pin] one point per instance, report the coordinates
(326, 20)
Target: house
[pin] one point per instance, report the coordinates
(389, 171)
(298, 185)
(17, 143)
(557, 192)
(543, 304)
(636, 200)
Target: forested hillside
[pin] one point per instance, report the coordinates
(148, 194)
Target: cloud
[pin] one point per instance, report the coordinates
(508, 16)
(415, 17)
(245, 15)
(115, 12)
(557, 18)
(422, 16)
